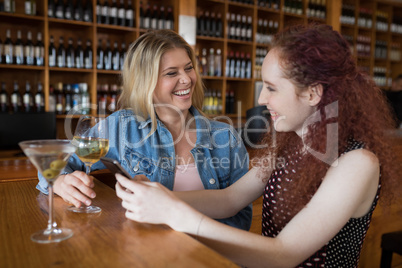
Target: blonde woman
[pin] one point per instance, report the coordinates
(160, 131)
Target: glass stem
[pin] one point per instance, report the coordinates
(51, 224)
(88, 168)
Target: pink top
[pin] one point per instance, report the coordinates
(187, 178)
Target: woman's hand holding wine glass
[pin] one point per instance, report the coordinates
(91, 139)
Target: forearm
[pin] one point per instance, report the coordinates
(240, 246)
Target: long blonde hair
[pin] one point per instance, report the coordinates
(141, 71)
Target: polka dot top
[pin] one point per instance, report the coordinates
(343, 250)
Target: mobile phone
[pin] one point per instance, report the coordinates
(115, 167)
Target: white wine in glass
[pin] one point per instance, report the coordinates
(91, 138)
(49, 157)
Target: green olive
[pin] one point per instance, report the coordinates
(58, 164)
(50, 173)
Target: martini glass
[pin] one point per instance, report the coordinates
(92, 142)
(49, 157)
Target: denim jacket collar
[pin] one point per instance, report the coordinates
(203, 128)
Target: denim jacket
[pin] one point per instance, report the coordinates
(219, 154)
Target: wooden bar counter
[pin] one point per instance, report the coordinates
(106, 239)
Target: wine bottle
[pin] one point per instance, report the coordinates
(60, 9)
(219, 26)
(99, 55)
(129, 15)
(59, 98)
(249, 30)
(79, 55)
(218, 63)
(121, 14)
(70, 57)
(200, 23)
(61, 54)
(76, 97)
(207, 23)
(115, 57)
(85, 99)
(28, 7)
(88, 56)
(107, 57)
(122, 55)
(19, 50)
(212, 30)
(113, 99)
(3, 98)
(69, 10)
(243, 31)
(211, 62)
(68, 98)
(52, 100)
(105, 12)
(52, 53)
(27, 99)
(98, 11)
(161, 18)
(39, 99)
(113, 13)
(29, 50)
(51, 9)
(147, 17)
(39, 51)
(204, 62)
(141, 16)
(88, 12)
(78, 11)
(16, 99)
(154, 17)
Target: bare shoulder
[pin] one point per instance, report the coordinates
(359, 158)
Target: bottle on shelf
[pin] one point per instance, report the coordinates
(68, 98)
(169, 23)
(115, 57)
(8, 49)
(211, 62)
(27, 99)
(51, 9)
(218, 63)
(105, 13)
(98, 12)
(39, 99)
(154, 17)
(29, 50)
(9, 6)
(52, 53)
(99, 56)
(60, 9)
(19, 50)
(78, 11)
(123, 52)
(142, 14)
(88, 55)
(76, 98)
(69, 10)
(30, 7)
(112, 105)
(52, 100)
(39, 51)
(61, 54)
(107, 57)
(70, 55)
(113, 13)
(161, 18)
(59, 99)
(15, 99)
(88, 12)
(200, 23)
(219, 26)
(121, 14)
(79, 55)
(147, 17)
(129, 15)
(207, 23)
(3, 98)
(85, 99)
(204, 62)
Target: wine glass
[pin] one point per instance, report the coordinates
(91, 138)
(49, 157)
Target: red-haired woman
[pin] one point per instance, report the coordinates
(320, 175)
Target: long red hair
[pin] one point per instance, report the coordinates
(317, 55)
